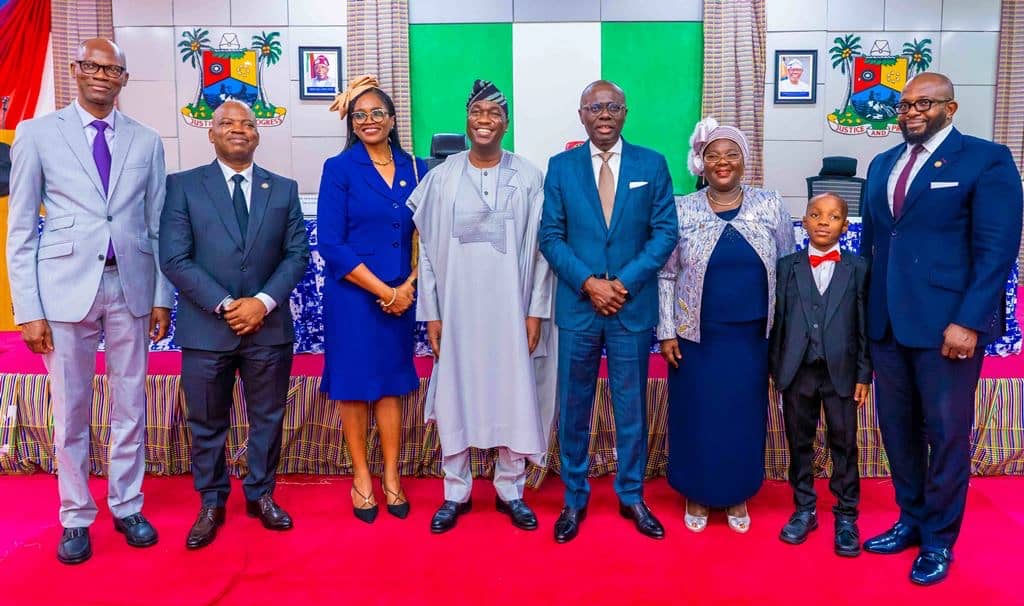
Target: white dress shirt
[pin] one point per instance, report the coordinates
(246, 186)
(823, 272)
(613, 162)
(90, 130)
(922, 158)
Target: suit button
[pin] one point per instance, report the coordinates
(109, 218)
(244, 268)
(395, 205)
(893, 233)
(396, 225)
(394, 245)
(101, 257)
(815, 326)
(816, 306)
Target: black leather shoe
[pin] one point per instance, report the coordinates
(137, 530)
(847, 541)
(931, 566)
(448, 514)
(568, 524)
(204, 531)
(645, 522)
(800, 524)
(894, 540)
(269, 512)
(74, 547)
(520, 513)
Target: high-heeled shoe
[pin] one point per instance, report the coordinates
(696, 523)
(399, 509)
(740, 524)
(368, 512)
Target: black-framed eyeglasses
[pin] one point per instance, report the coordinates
(90, 67)
(375, 115)
(613, 108)
(921, 105)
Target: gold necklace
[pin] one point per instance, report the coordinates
(735, 199)
(391, 158)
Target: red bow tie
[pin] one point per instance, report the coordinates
(817, 260)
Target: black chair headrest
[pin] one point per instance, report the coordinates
(838, 166)
(443, 145)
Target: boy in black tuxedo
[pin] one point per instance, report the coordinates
(819, 354)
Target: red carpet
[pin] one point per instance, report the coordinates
(332, 558)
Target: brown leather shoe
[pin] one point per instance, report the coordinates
(272, 516)
(204, 531)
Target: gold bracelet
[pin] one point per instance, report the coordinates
(394, 295)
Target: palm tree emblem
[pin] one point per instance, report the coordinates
(268, 49)
(919, 55)
(842, 55)
(191, 49)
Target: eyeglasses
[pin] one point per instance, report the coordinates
(712, 159)
(376, 115)
(921, 105)
(113, 71)
(613, 108)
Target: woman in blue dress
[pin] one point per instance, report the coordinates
(365, 236)
(716, 297)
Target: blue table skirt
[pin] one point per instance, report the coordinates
(309, 328)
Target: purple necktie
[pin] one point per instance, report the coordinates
(900, 193)
(101, 155)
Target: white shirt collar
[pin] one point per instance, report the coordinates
(616, 149)
(87, 118)
(812, 250)
(935, 141)
(230, 172)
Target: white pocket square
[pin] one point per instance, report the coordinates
(636, 184)
(944, 184)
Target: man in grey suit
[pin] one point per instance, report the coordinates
(100, 177)
(233, 241)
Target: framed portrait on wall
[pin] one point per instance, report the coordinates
(795, 75)
(319, 71)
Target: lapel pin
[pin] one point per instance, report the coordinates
(265, 185)
(938, 163)
(402, 183)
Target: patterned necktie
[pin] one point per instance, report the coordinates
(606, 187)
(900, 193)
(101, 156)
(238, 201)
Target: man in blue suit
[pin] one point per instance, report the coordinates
(942, 227)
(234, 242)
(609, 224)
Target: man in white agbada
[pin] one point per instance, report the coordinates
(792, 83)
(485, 292)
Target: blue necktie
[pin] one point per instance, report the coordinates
(101, 155)
(238, 201)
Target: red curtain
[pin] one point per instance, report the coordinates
(24, 37)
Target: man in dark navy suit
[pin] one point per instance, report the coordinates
(942, 227)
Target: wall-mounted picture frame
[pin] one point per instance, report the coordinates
(319, 71)
(796, 75)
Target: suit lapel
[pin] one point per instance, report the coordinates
(944, 156)
(588, 180)
(626, 165)
(71, 129)
(837, 287)
(220, 197)
(805, 284)
(260, 196)
(124, 131)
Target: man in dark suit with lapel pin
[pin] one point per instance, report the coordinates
(609, 224)
(818, 355)
(233, 241)
(942, 225)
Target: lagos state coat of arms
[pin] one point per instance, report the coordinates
(230, 71)
(874, 83)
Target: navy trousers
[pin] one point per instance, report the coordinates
(579, 358)
(925, 408)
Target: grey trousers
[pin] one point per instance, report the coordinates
(72, 365)
(509, 475)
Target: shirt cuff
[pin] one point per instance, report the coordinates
(223, 303)
(268, 302)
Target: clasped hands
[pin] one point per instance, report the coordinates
(404, 296)
(606, 296)
(245, 315)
